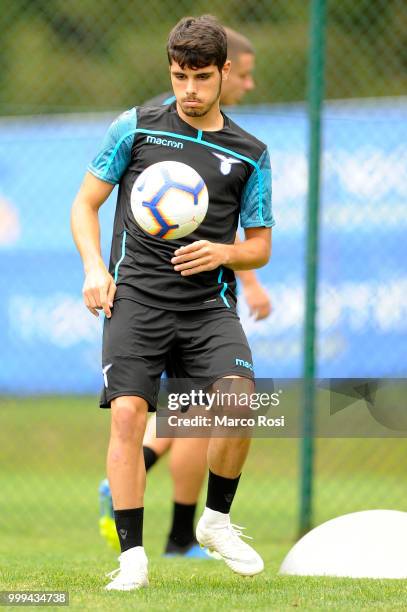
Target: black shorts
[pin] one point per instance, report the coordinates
(140, 342)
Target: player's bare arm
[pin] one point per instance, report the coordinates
(256, 296)
(99, 287)
(203, 255)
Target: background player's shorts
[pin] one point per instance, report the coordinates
(140, 341)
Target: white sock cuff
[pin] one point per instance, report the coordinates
(213, 516)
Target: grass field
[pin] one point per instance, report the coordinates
(52, 457)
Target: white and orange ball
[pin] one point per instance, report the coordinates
(169, 200)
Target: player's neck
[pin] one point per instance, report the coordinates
(211, 122)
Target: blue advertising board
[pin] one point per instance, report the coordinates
(51, 344)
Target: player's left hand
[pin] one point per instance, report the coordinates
(199, 256)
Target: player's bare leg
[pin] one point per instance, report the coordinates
(187, 477)
(159, 445)
(153, 449)
(125, 465)
(188, 468)
(127, 477)
(226, 457)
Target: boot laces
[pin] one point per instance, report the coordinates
(127, 573)
(237, 531)
(113, 574)
(232, 541)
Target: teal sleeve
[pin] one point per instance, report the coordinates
(115, 153)
(255, 208)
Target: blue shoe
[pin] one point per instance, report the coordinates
(197, 552)
(191, 551)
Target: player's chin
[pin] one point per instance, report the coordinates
(194, 112)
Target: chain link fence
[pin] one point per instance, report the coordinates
(362, 301)
(66, 70)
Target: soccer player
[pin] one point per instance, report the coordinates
(188, 476)
(240, 80)
(159, 294)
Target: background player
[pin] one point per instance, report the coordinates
(188, 476)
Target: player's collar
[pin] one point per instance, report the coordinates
(172, 108)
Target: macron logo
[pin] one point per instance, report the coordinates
(164, 142)
(244, 364)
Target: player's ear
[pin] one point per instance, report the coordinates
(226, 70)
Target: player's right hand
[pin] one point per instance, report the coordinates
(98, 291)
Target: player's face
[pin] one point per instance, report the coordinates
(197, 90)
(240, 80)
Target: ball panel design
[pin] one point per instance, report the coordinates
(169, 200)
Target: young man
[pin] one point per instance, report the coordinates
(240, 80)
(195, 274)
(188, 476)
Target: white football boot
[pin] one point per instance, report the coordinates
(216, 533)
(132, 573)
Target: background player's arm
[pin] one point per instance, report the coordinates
(99, 287)
(256, 296)
(202, 255)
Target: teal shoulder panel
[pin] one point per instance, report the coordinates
(115, 153)
(169, 100)
(256, 208)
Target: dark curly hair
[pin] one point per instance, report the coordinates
(197, 42)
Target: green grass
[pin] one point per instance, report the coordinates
(52, 455)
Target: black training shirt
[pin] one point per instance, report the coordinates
(236, 169)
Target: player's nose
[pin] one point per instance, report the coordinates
(191, 87)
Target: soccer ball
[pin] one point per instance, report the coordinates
(169, 200)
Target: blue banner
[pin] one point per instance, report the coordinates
(50, 343)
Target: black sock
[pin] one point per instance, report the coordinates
(150, 457)
(182, 528)
(129, 526)
(221, 492)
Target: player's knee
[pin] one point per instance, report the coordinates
(129, 418)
